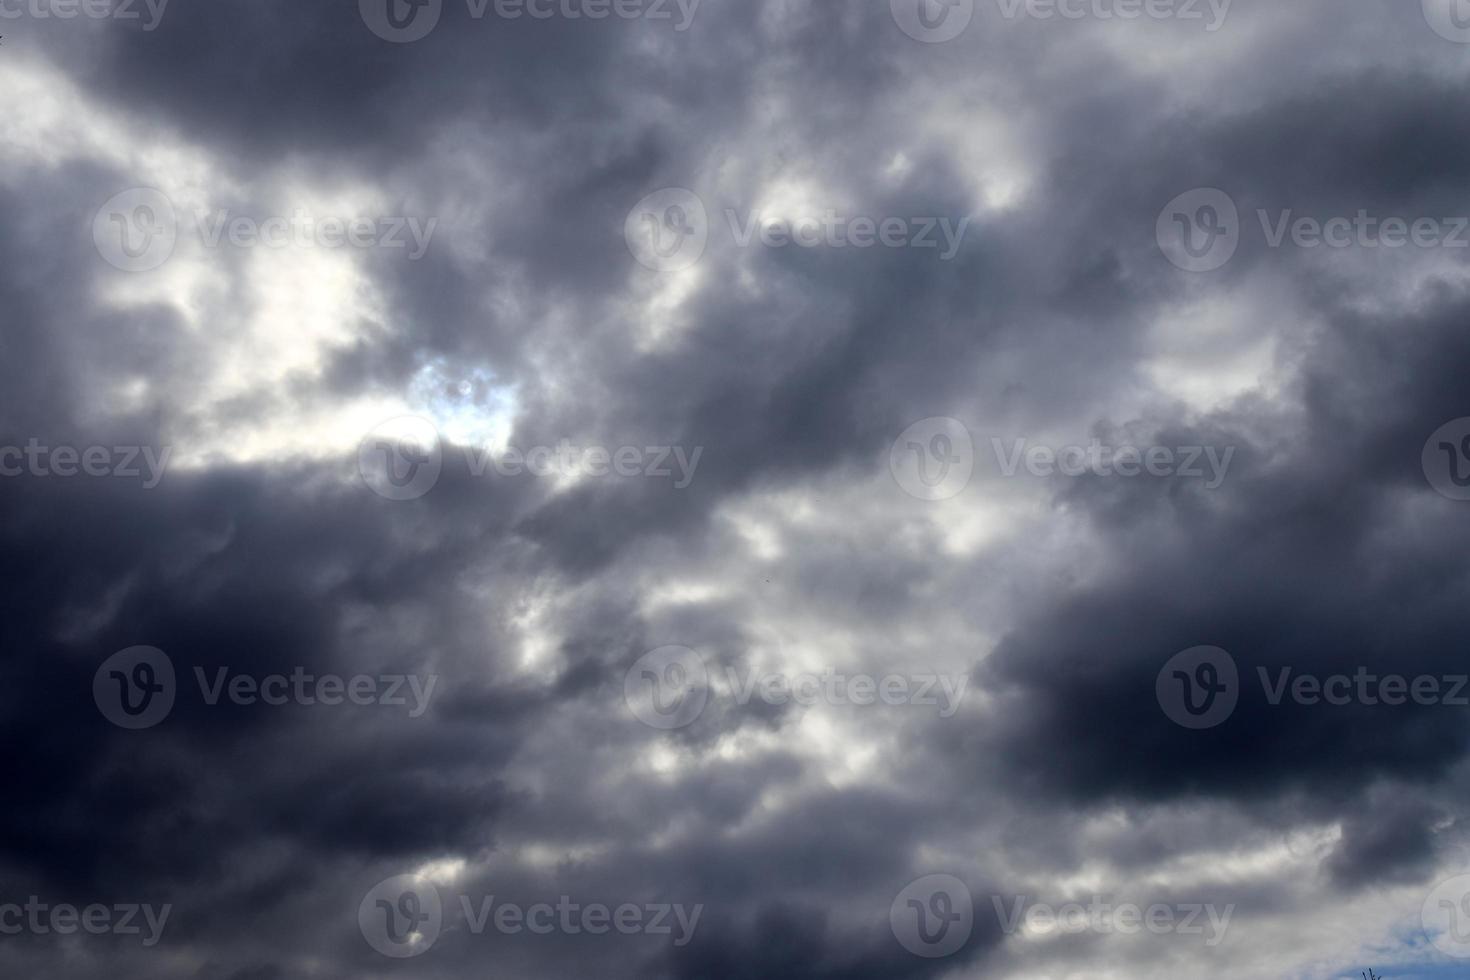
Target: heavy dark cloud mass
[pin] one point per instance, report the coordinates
(714, 490)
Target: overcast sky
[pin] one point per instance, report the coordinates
(733, 489)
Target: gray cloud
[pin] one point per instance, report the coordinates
(793, 550)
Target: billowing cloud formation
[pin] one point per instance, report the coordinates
(722, 490)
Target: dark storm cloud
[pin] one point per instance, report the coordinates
(786, 941)
(794, 370)
(1368, 582)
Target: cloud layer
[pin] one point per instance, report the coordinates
(819, 361)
